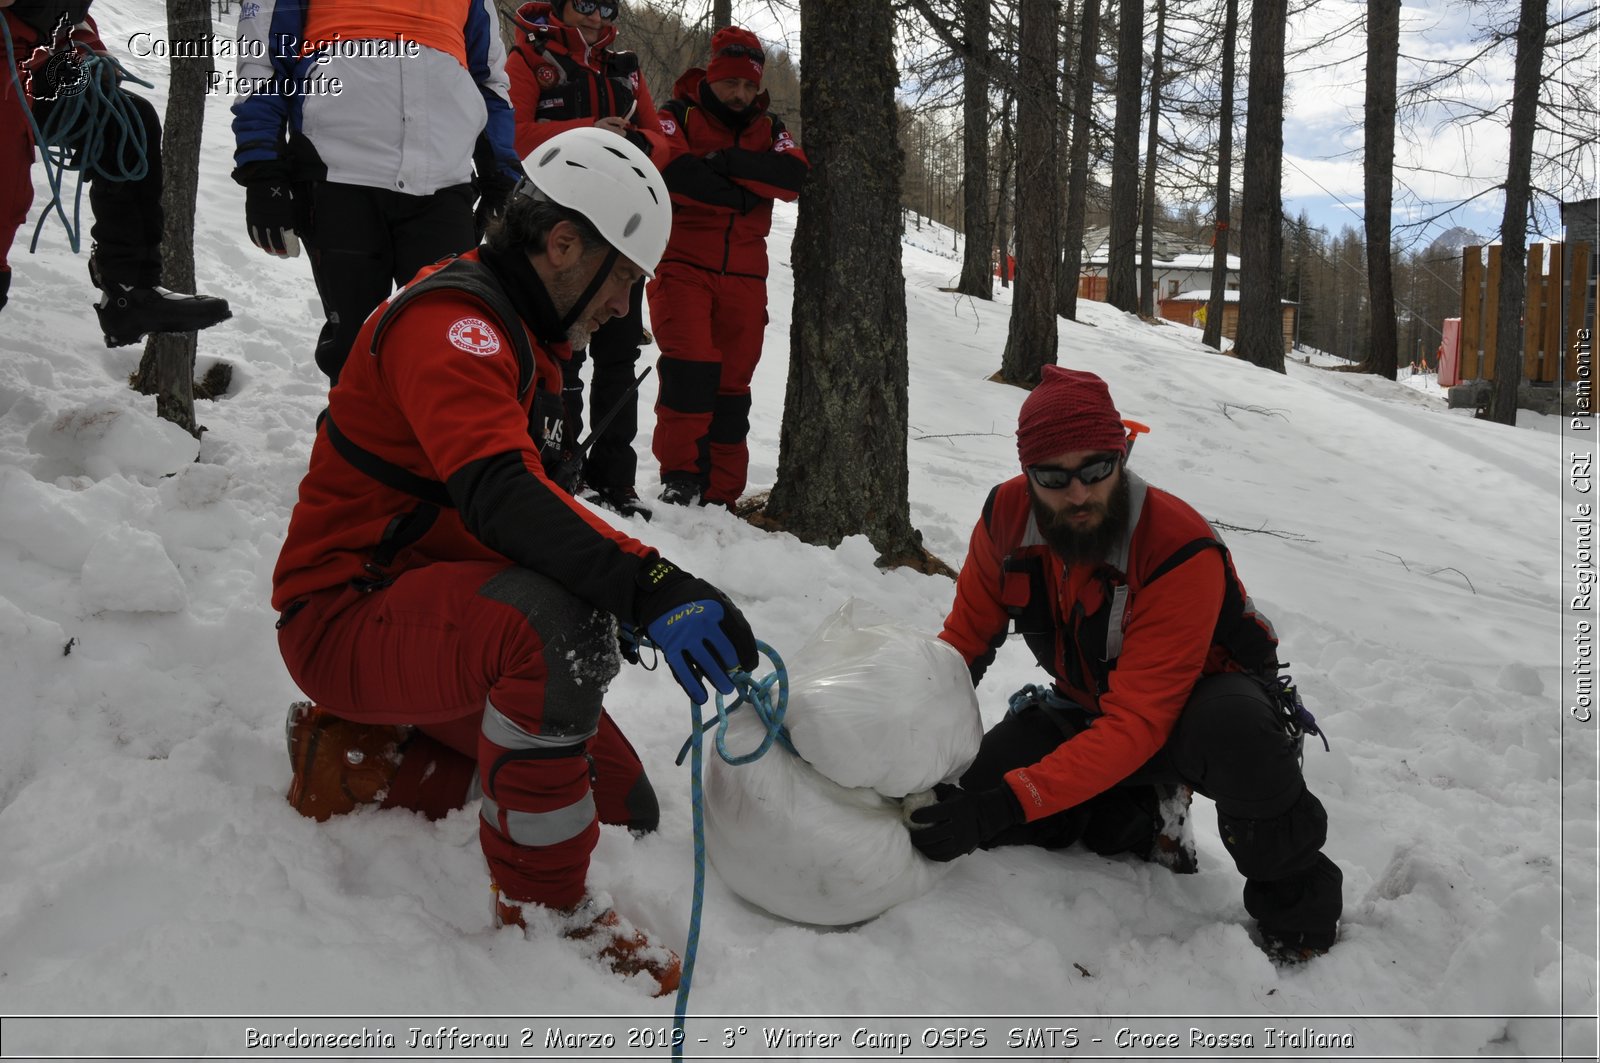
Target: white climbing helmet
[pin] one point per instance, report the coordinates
(611, 183)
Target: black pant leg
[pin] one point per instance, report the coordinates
(1231, 746)
(428, 228)
(614, 350)
(128, 218)
(352, 263)
(1017, 741)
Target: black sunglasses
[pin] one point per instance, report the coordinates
(1054, 477)
(739, 51)
(607, 8)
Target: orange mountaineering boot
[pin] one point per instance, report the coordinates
(604, 936)
(338, 765)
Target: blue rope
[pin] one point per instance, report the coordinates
(769, 708)
(77, 127)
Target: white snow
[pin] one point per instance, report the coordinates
(1411, 557)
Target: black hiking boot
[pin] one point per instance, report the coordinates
(127, 314)
(682, 491)
(1295, 948)
(623, 501)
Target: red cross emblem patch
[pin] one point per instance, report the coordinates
(546, 74)
(475, 336)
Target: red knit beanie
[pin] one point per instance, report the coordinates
(1069, 410)
(736, 53)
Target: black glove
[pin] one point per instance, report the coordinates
(494, 192)
(698, 630)
(961, 820)
(269, 215)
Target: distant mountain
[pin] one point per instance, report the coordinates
(1454, 239)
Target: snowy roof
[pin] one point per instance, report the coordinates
(1203, 295)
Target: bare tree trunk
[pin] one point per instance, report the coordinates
(1260, 339)
(1514, 223)
(1032, 339)
(1002, 220)
(977, 270)
(721, 14)
(1147, 268)
(1068, 45)
(847, 384)
(1216, 309)
(167, 368)
(1078, 178)
(1383, 53)
(1121, 282)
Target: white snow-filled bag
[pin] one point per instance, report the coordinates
(788, 839)
(877, 704)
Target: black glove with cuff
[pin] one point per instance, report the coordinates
(961, 820)
(269, 208)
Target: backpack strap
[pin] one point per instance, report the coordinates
(477, 280)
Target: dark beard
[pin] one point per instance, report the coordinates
(1075, 547)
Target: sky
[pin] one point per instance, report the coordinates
(1439, 164)
(1411, 558)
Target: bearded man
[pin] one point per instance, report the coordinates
(1164, 676)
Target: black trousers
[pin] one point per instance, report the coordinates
(128, 219)
(1230, 745)
(364, 242)
(611, 463)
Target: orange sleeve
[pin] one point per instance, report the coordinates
(1166, 638)
(978, 618)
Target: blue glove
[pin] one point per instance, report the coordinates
(697, 629)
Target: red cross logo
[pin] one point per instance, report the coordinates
(475, 336)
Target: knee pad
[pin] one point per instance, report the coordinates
(1279, 847)
(730, 419)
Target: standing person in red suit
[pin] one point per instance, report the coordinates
(564, 75)
(731, 157)
(61, 62)
(453, 613)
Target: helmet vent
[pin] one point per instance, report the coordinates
(633, 223)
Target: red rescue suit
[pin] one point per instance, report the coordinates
(560, 82)
(708, 302)
(1127, 638)
(432, 574)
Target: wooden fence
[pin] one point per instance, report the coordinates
(1545, 344)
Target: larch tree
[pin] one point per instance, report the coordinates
(1122, 282)
(1147, 269)
(847, 385)
(1082, 82)
(1514, 222)
(1216, 307)
(1260, 338)
(977, 271)
(1032, 339)
(167, 368)
(1383, 54)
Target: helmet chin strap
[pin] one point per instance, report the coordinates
(589, 293)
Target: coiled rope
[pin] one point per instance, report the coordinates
(768, 698)
(77, 128)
